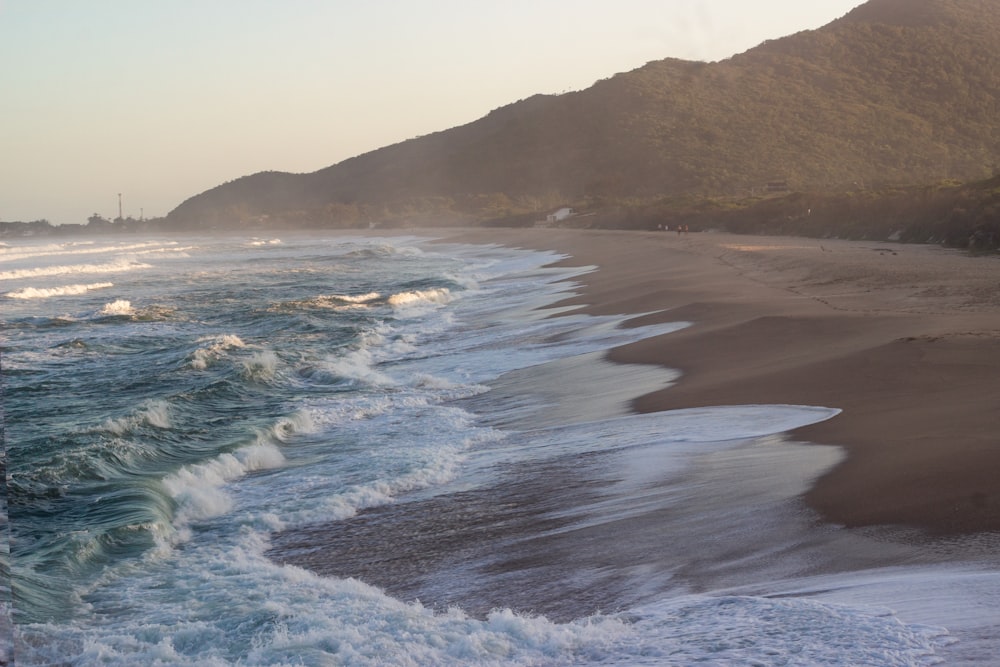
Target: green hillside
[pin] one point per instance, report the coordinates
(895, 93)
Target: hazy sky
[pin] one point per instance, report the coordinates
(162, 99)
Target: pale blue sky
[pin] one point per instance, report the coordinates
(161, 100)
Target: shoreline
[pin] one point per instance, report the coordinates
(904, 339)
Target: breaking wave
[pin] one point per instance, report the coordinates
(438, 296)
(117, 266)
(204, 356)
(47, 292)
(118, 307)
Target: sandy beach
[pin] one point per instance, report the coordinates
(905, 339)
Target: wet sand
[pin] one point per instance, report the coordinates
(904, 338)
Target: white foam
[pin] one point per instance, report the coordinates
(467, 282)
(421, 298)
(79, 249)
(199, 489)
(964, 598)
(116, 266)
(154, 412)
(261, 366)
(359, 298)
(439, 467)
(358, 365)
(117, 307)
(344, 301)
(301, 421)
(380, 249)
(753, 630)
(356, 298)
(157, 413)
(301, 618)
(203, 356)
(161, 251)
(65, 290)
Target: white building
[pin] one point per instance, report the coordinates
(561, 214)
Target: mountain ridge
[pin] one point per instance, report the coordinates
(896, 92)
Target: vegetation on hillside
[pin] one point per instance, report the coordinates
(948, 213)
(896, 93)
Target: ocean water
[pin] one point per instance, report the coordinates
(181, 414)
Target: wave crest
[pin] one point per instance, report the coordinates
(117, 307)
(438, 296)
(155, 413)
(261, 366)
(65, 290)
(204, 356)
(198, 489)
(117, 266)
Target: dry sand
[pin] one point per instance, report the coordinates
(904, 338)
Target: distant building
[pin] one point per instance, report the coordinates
(777, 186)
(560, 214)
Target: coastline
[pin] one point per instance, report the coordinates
(904, 339)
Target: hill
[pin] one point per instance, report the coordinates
(896, 92)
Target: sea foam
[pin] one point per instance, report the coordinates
(199, 490)
(117, 266)
(78, 249)
(117, 307)
(203, 356)
(155, 413)
(261, 366)
(47, 292)
(432, 297)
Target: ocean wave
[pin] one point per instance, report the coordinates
(118, 307)
(301, 421)
(65, 290)
(204, 356)
(117, 266)
(466, 282)
(261, 366)
(73, 249)
(432, 297)
(355, 365)
(198, 489)
(154, 412)
(263, 242)
(385, 250)
(341, 301)
(441, 467)
(160, 251)
(413, 300)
